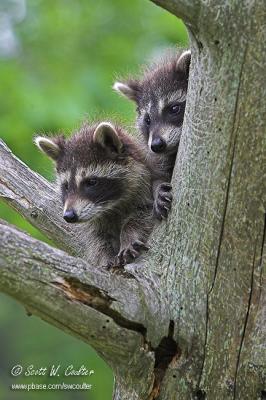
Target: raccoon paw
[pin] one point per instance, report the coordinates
(162, 202)
(130, 253)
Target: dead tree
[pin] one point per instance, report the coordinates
(190, 321)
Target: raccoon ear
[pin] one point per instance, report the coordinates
(130, 89)
(106, 135)
(52, 147)
(183, 62)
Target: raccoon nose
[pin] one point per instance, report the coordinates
(158, 145)
(70, 216)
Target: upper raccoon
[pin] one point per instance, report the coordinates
(106, 184)
(160, 97)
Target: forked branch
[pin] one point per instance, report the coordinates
(113, 311)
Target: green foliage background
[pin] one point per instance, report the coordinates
(70, 53)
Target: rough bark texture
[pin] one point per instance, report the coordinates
(213, 266)
(189, 321)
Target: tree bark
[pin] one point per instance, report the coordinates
(189, 321)
(214, 264)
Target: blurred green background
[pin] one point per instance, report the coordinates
(58, 60)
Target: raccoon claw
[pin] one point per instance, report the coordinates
(130, 253)
(165, 187)
(162, 203)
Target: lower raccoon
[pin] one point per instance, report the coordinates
(105, 184)
(160, 96)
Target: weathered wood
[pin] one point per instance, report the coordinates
(212, 258)
(98, 307)
(189, 320)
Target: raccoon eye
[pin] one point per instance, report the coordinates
(174, 109)
(90, 182)
(147, 119)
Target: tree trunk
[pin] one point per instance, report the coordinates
(189, 322)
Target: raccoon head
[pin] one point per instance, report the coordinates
(95, 170)
(161, 99)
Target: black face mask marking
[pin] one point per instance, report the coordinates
(173, 114)
(99, 190)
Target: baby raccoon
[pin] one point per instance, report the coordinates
(160, 97)
(105, 184)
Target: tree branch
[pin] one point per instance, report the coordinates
(25, 261)
(103, 309)
(188, 10)
(35, 199)
(116, 313)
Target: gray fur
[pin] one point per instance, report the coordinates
(115, 214)
(160, 96)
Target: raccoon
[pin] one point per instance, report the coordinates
(160, 97)
(105, 184)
